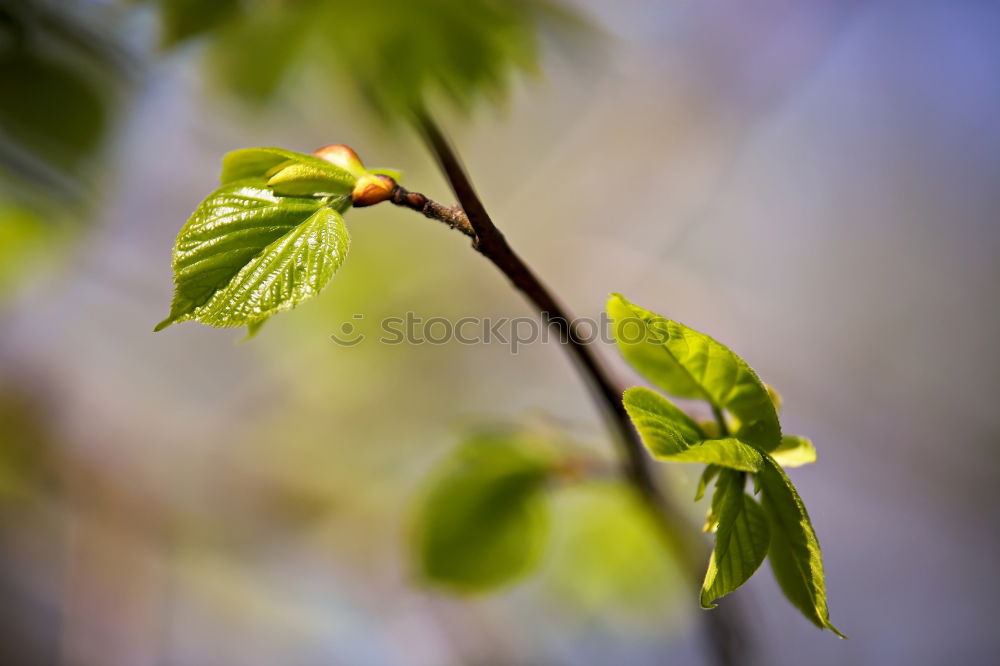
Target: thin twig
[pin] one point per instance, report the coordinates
(723, 630)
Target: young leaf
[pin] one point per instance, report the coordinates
(304, 180)
(741, 539)
(794, 451)
(642, 346)
(246, 254)
(679, 360)
(268, 162)
(711, 471)
(670, 434)
(483, 522)
(794, 551)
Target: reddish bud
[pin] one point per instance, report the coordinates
(372, 189)
(340, 155)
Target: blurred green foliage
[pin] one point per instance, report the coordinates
(399, 55)
(27, 239)
(62, 73)
(483, 520)
(608, 558)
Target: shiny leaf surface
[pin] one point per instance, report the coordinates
(678, 359)
(671, 435)
(741, 539)
(794, 550)
(247, 253)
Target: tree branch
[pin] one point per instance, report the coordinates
(723, 629)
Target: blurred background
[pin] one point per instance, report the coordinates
(817, 184)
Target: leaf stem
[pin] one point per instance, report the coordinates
(724, 631)
(720, 418)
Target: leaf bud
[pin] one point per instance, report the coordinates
(343, 156)
(372, 189)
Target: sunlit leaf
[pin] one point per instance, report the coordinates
(794, 551)
(673, 350)
(742, 536)
(300, 179)
(670, 434)
(272, 162)
(794, 451)
(483, 522)
(247, 253)
(642, 346)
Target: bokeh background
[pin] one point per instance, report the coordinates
(815, 183)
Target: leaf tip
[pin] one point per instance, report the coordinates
(163, 324)
(252, 329)
(836, 631)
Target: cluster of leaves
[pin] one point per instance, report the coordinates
(482, 522)
(395, 53)
(273, 235)
(510, 501)
(745, 440)
(269, 238)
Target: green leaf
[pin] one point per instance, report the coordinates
(794, 451)
(299, 179)
(247, 253)
(670, 434)
(679, 359)
(643, 347)
(741, 540)
(794, 551)
(483, 521)
(711, 471)
(269, 162)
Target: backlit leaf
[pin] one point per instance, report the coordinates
(794, 551)
(711, 471)
(642, 347)
(794, 451)
(741, 539)
(670, 434)
(678, 359)
(247, 253)
(268, 162)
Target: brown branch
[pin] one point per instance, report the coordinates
(724, 633)
(637, 467)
